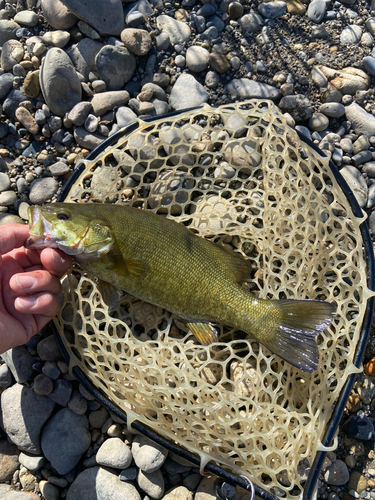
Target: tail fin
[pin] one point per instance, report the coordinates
(301, 321)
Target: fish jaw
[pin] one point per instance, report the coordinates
(44, 235)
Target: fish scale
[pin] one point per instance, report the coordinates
(160, 261)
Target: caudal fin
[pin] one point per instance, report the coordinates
(294, 340)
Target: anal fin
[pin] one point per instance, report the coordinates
(204, 332)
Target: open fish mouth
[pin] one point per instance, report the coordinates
(41, 231)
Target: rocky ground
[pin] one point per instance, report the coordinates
(72, 73)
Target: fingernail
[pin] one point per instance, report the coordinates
(27, 302)
(57, 259)
(25, 281)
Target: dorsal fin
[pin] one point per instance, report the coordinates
(241, 267)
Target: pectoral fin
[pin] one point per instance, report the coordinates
(204, 332)
(123, 266)
(110, 294)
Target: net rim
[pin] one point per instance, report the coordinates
(332, 427)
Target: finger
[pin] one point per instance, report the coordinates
(12, 236)
(55, 261)
(42, 303)
(35, 282)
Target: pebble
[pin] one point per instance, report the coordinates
(356, 183)
(61, 392)
(48, 349)
(57, 38)
(316, 11)
(177, 31)
(98, 417)
(31, 462)
(83, 56)
(8, 461)
(59, 82)
(274, 9)
(42, 190)
(332, 109)
(181, 492)
(114, 453)
(359, 427)
(11, 54)
(152, 483)
(162, 41)
(86, 139)
(106, 101)
(351, 35)
(31, 85)
(8, 30)
(137, 41)
(187, 92)
(26, 18)
(97, 482)
(148, 456)
(58, 15)
(337, 474)
(19, 360)
(24, 413)
(115, 65)
(27, 120)
(49, 491)
(64, 439)
(124, 116)
(243, 88)
(129, 474)
(43, 385)
(59, 168)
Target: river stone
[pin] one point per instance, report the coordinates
(42, 190)
(20, 363)
(187, 92)
(316, 11)
(106, 17)
(337, 474)
(115, 65)
(351, 35)
(31, 462)
(83, 56)
(8, 461)
(23, 414)
(107, 101)
(137, 41)
(6, 84)
(59, 82)
(177, 31)
(31, 85)
(362, 121)
(181, 492)
(273, 9)
(8, 30)
(251, 23)
(27, 120)
(197, 58)
(65, 438)
(11, 54)
(152, 483)
(100, 483)
(58, 38)
(124, 115)
(244, 88)
(26, 18)
(356, 183)
(332, 109)
(57, 15)
(298, 106)
(114, 453)
(147, 455)
(86, 139)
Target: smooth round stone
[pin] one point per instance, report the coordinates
(87, 30)
(219, 62)
(8, 462)
(100, 483)
(124, 116)
(369, 64)
(359, 427)
(91, 123)
(7, 198)
(8, 30)
(4, 182)
(23, 207)
(177, 31)
(114, 453)
(332, 109)
(115, 65)
(318, 122)
(86, 139)
(83, 56)
(356, 183)
(351, 35)
(147, 455)
(31, 462)
(57, 38)
(180, 61)
(137, 41)
(212, 79)
(152, 483)
(59, 168)
(187, 92)
(78, 404)
(26, 18)
(59, 82)
(49, 491)
(161, 107)
(245, 88)
(12, 53)
(369, 169)
(27, 120)
(98, 417)
(43, 385)
(57, 15)
(99, 86)
(162, 42)
(42, 190)
(316, 11)
(251, 23)
(31, 85)
(206, 10)
(235, 10)
(129, 474)
(51, 370)
(337, 474)
(273, 9)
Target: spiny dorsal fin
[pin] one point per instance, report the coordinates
(241, 267)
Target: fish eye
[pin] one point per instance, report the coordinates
(63, 216)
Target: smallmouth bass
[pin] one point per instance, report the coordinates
(160, 261)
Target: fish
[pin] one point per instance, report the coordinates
(161, 261)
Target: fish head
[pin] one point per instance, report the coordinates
(67, 227)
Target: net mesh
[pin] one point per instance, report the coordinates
(239, 175)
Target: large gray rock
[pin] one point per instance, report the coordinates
(65, 438)
(187, 92)
(115, 65)
(106, 16)
(7, 30)
(23, 414)
(57, 15)
(177, 31)
(362, 121)
(248, 89)
(101, 484)
(20, 363)
(83, 56)
(59, 82)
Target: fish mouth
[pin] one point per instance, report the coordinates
(40, 231)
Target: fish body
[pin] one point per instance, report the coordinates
(162, 262)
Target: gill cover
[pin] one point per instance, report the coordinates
(62, 226)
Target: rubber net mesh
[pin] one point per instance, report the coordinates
(238, 175)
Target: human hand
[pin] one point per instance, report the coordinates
(29, 286)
